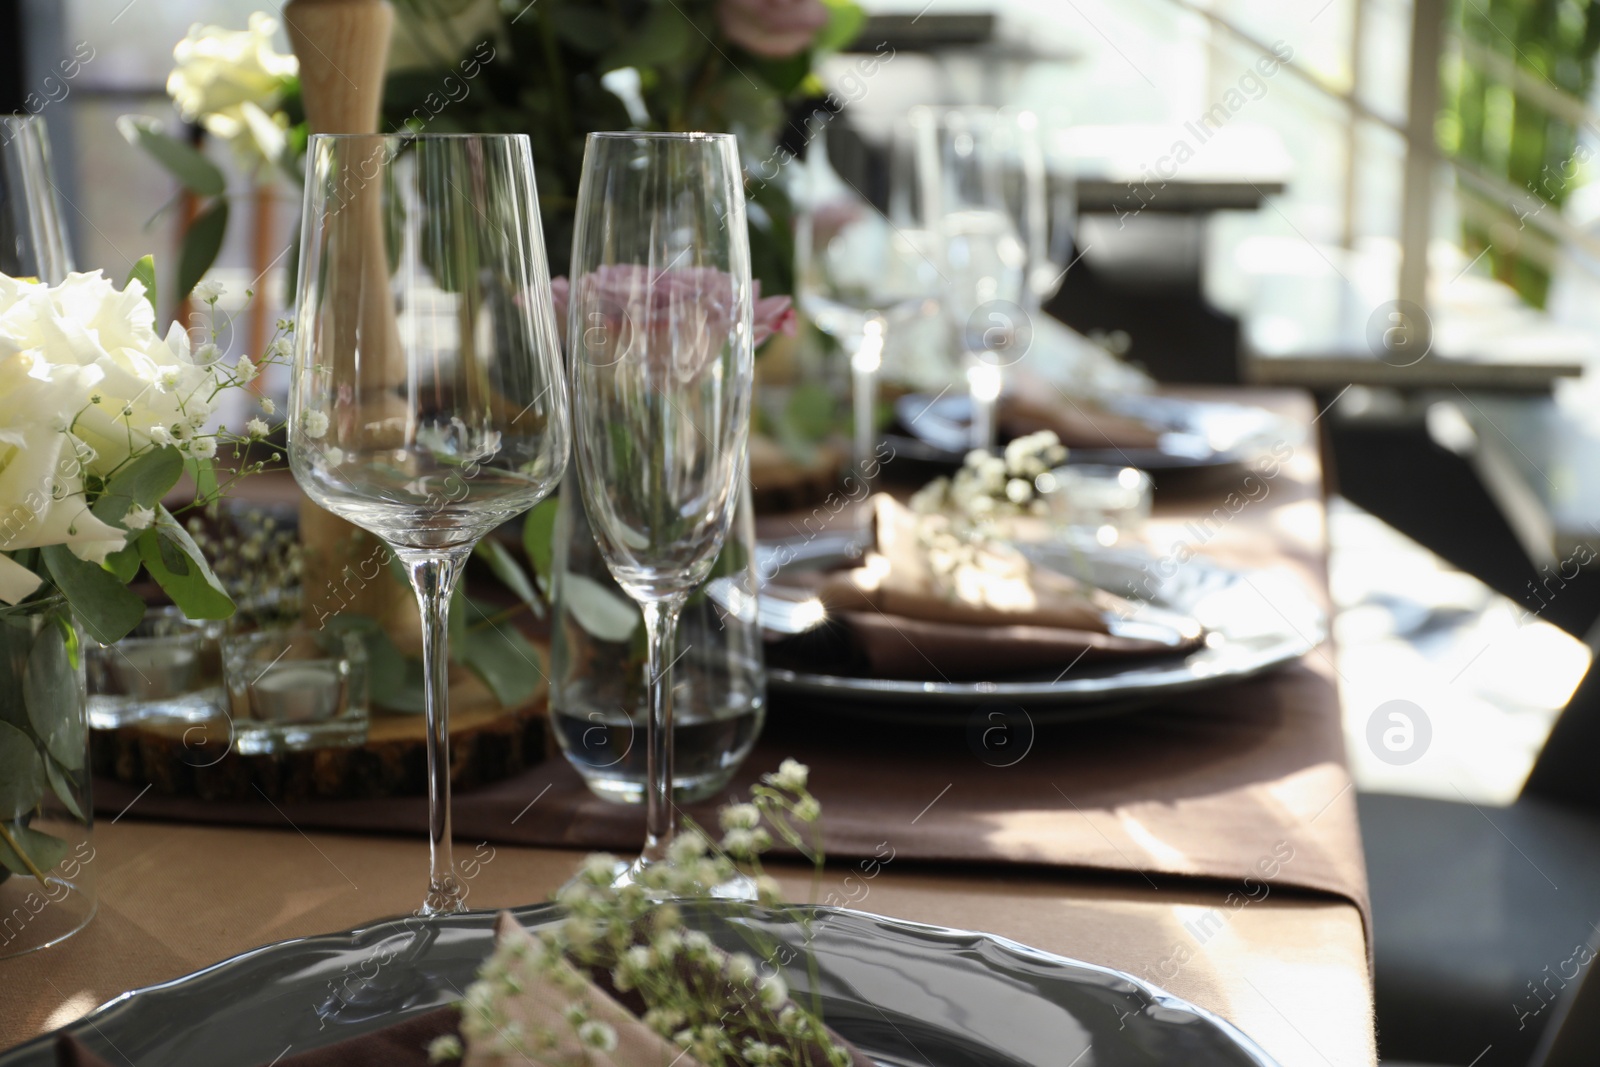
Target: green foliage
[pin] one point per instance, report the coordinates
(143, 480)
(201, 243)
(180, 568)
(99, 598)
(197, 173)
(144, 272)
(538, 535)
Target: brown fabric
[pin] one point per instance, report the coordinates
(893, 646)
(1210, 785)
(1078, 423)
(1288, 969)
(995, 616)
(402, 1045)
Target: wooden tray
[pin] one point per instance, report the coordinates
(487, 743)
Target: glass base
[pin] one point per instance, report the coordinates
(446, 896)
(34, 916)
(110, 712)
(255, 738)
(684, 790)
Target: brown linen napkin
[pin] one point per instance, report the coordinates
(921, 606)
(401, 1045)
(1079, 423)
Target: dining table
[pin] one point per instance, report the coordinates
(1207, 843)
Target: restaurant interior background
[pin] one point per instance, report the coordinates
(1245, 224)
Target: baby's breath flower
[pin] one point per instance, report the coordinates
(790, 775)
(269, 407)
(597, 1035)
(257, 428)
(740, 817)
(444, 1047)
(203, 447)
(741, 968)
(758, 1053)
(208, 292)
(139, 518)
(316, 423)
(245, 370)
(773, 992)
(335, 456)
(687, 847)
(285, 325)
(768, 891)
(206, 353)
(169, 378)
(739, 843)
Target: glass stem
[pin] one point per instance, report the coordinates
(433, 577)
(661, 632)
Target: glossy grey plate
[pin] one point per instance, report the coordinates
(1254, 621)
(903, 992)
(1193, 433)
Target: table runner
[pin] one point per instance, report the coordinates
(1244, 783)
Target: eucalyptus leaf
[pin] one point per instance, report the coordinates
(505, 660)
(124, 562)
(665, 36)
(601, 612)
(845, 21)
(509, 571)
(538, 534)
(44, 850)
(388, 672)
(21, 773)
(55, 699)
(102, 603)
(61, 782)
(195, 589)
(143, 480)
(194, 170)
(144, 272)
(201, 243)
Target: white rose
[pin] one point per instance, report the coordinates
(231, 81)
(60, 348)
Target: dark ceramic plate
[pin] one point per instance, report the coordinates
(1195, 434)
(904, 993)
(1254, 621)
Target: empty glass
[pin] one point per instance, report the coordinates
(662, 361)
(427, 403)
(953, 174)
(169, 667)
(856, 275)
(33, 237)
(295, 687)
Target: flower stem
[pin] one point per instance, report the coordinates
(16, 847)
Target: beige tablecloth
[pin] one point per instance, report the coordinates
(1208, 845)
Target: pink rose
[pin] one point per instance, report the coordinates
(692, 307)
(775, 29)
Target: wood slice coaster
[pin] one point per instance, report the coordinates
(487, 743)
(779, 484)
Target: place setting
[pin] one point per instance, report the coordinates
(663, 496)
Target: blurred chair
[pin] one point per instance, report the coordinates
(1487, 920)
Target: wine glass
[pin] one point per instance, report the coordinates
(856, 275)
(958, 188)
(427, 403)
(662, 360)
(33, 237)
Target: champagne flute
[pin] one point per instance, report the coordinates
(959, 189)
(33, 237)
(662, 359)
(427, 403)
(856, 275)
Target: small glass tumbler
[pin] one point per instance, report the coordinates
(168, 669)
(1110, 503)
(295, 688)
(47, 869)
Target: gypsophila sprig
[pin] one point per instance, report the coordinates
(989, 486)
(722, 1008)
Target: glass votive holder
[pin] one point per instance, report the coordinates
(1110, 503)
(294, 688)
(169, 668)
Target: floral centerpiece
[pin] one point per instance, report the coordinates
(101, 417)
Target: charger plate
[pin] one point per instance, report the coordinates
(904, 993)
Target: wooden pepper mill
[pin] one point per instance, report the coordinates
(343, 48)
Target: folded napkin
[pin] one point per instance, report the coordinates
(402, 1045)
(926, 603)
(1078, 422)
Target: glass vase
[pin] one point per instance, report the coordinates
(47, 883)
(597, 690)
